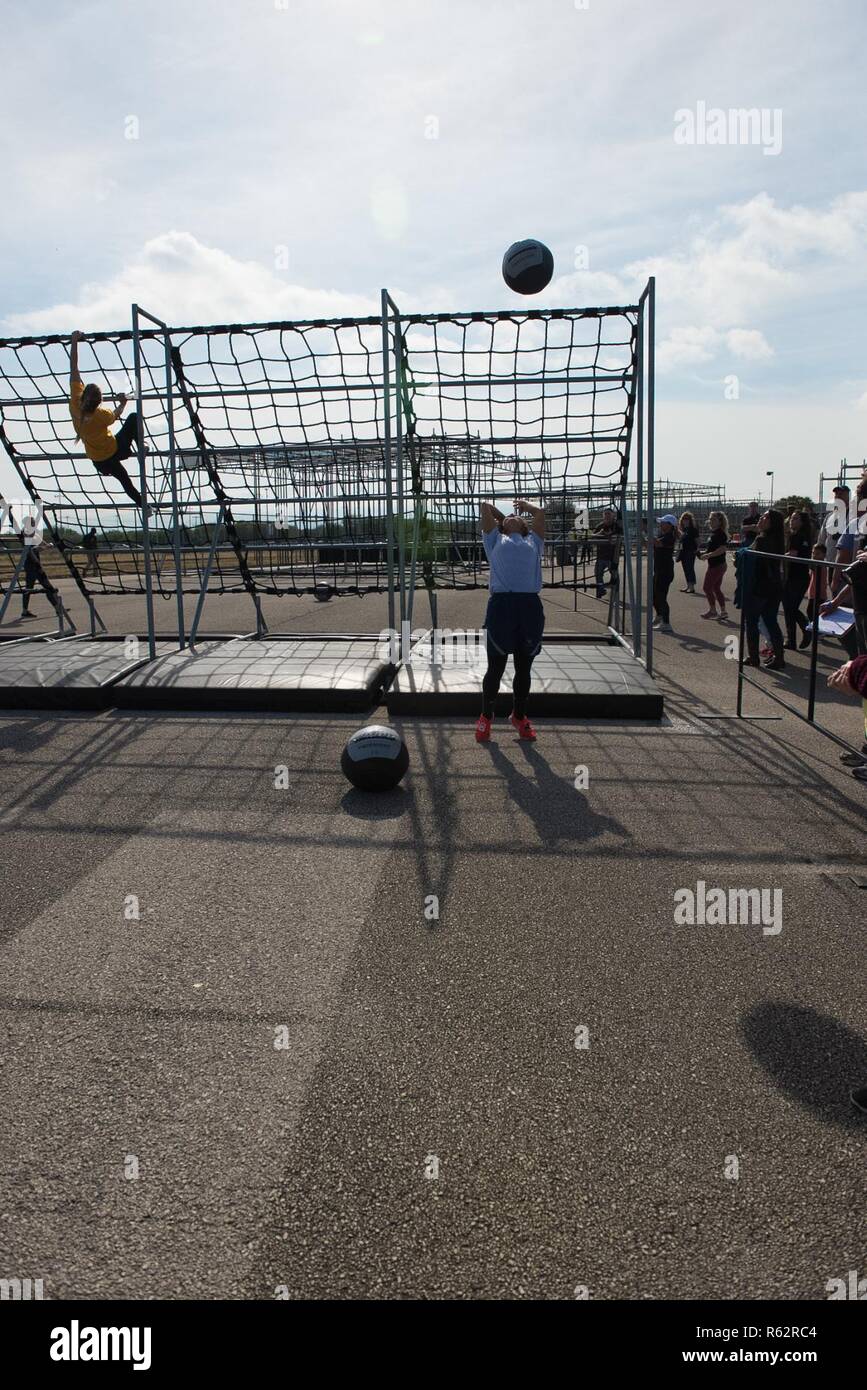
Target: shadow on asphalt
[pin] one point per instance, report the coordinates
(810, 1057)
(376, 805)
(557, 810)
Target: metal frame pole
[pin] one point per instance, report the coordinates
(173, 464)
(629, 586)
(176, 519)
(145, 533)
(401, 520)
(639, 481)
(416, 524)
(651, 330)
(814, 644)
(206, 578)
(14, 583)
(389, 500)
(740, 702)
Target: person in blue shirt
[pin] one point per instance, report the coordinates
(515, 618)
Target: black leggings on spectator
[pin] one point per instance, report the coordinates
(793, 614)
(661, 586)
(494, 674)
(114, 467)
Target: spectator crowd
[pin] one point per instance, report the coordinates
(773, 581)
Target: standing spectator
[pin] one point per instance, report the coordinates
(853, 678)
(91, 545)
(763, 589)
(817, 592)
(34, 574)
(606, 550)
(715, 555)
(854, 535)
(663, 570)
(688, 550)
(854, 591)
(832, 528)
(797, 577)
(750, 524)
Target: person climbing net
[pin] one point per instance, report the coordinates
(93, 420)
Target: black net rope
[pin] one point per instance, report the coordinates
(280, 445)
(502, 406)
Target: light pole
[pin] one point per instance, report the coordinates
(770, 474)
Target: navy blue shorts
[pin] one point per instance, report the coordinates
(515, 623)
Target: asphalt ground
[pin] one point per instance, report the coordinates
(323, 1090)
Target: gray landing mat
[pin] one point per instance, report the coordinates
(571, 679)
(73, 673)
(276, 673)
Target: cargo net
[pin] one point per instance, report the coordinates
(279, 449)
(41, 458)
(279, 435)
(506, 406)
(290, 421)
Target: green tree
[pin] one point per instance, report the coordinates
(787, 505)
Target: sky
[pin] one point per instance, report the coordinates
(275, 159)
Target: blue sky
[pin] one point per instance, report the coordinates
(284, 167)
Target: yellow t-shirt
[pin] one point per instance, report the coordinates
(95, 434)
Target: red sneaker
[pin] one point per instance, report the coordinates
(483, 729)
(524, 727)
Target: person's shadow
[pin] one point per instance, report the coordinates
(552, 803)
(811, 1057)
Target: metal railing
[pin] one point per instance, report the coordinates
(749, 556)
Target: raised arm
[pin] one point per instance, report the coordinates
(491, 517)
(73, 358)
(537, 514)
(121, 406)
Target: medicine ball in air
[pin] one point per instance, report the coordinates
(527, 267)
(375, 759)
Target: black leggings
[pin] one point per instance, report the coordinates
(792, 611)
(114, 467)
(661, 586)
(494, 674)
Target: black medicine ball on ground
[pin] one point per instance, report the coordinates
(375, 759)
(528, 267)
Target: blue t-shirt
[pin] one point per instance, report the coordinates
(515, 561)
(853, 539)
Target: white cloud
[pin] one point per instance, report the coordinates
(751, 262)
(749, 344)
(742, 266)
(183, 281)
(687, 345)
